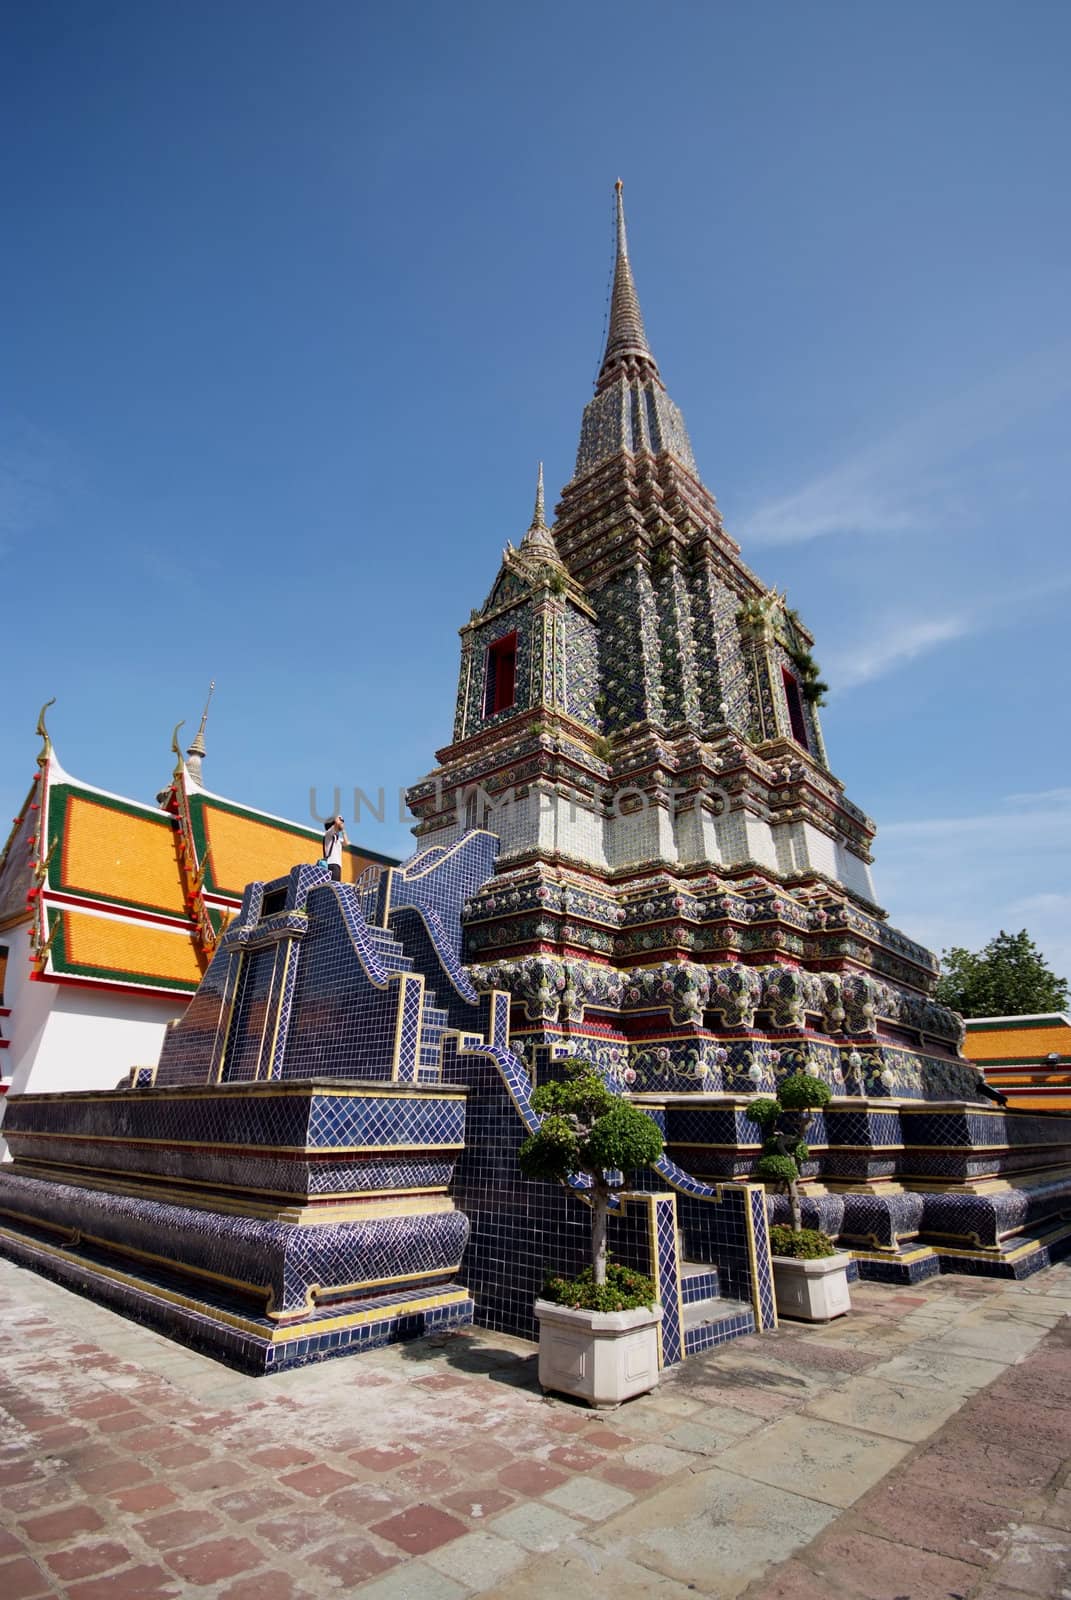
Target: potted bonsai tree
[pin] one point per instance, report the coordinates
(810, 1273)
(598, 1333)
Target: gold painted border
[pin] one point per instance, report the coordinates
(275, 1336)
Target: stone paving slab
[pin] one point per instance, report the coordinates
(918, 1447)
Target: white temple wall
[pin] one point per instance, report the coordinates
(760, 841)
(636, 837)
(30, 1004)
(854, 873)
(697, 836)
(66, 1037)
(546, 820)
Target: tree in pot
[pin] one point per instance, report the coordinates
(598, 1332)
(810, 1274)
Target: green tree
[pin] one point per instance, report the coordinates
(1009, 978)
(586, 1128)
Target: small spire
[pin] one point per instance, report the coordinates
(539, 516)
(539, 540)
(626, 339)
(195, 752)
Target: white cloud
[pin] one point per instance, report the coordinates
(892, 642)
(898, 642)
(960, 880)
(910, 480)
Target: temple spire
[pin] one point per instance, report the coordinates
(195, 752)
(539, 539)
(627, 350)
(539, 514)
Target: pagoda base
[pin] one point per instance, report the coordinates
(223, 1325)
(1015, 1259)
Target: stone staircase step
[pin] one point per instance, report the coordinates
(699, 1281)
(708, 1323)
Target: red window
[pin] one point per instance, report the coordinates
(501, 675)
(795, 708)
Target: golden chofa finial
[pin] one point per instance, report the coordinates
(177, 748)
(42, 733)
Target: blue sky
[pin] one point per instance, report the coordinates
(297, 296)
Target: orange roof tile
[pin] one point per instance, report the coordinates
(119, 854)
(1027, 1101)
(245, 849)
(1016, 1044)
(125, 950)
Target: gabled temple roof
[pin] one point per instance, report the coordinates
(16, 863)
(124, 894)
(242, 844)
(1018, 1039)
(1027, 1058)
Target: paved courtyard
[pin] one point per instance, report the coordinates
(916, 1450)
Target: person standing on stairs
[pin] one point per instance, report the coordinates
(334, 839)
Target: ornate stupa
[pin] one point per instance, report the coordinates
(638, 720)
(633, 851)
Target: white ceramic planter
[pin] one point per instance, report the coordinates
(602, 1357)
(816, 1291)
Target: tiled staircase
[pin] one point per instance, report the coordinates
(709, 1320)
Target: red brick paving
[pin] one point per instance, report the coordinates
(215, 1559)
(22, 1579)
(133, 1583)
(308, 1488)
(87, 1560)
(477, 1502)
(317, 1482)
(428, 1475)
(420, 1529)
(483, 1457)
(174, 1528)
(9, 1545)
(266, 1586)
(65, 1524)
(954, 1519)
(532, 1477)
(245, 1504)
(182, 1455)
(223, 1473)
(353, 1560)
(368, 1502)
(633, 1478)
(297, 1529)
(881, 1570)
(147, 1497)
(280, 1456)
(576, 1458)
(385, 1458)
(118, 1473)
